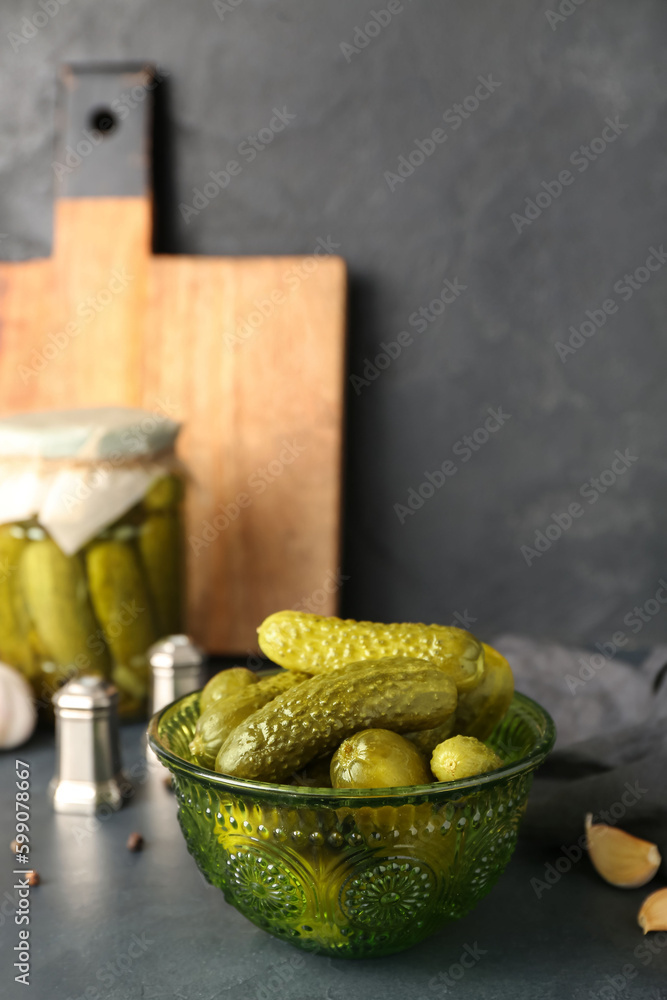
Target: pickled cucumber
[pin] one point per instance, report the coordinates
(161, 556)
(166, 492)
(300, 641)
(378, 758)
(120, 598)
(132, 681)
(56, 594)
(426, 740)
(132, 518)
(223, 716)
(479, 711)
(463, 757)
(314, 717)
(15, 647)
(224, 684)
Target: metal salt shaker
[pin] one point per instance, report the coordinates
(177, 669)
(176, 663)
(88, 770)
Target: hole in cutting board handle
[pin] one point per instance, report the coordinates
(103, 120)
(91, 99)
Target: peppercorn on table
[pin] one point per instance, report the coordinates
(108, 923)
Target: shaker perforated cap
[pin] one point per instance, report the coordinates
(86, 693)
(176, 666)
(174, 652)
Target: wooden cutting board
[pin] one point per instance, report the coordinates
(247, 351)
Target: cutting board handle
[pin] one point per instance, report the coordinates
(105, 130)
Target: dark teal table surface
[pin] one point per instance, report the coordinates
(106, 924)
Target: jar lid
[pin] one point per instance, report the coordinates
(104, 432)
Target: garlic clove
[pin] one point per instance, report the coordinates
(620, 858)
(652, 915)
(18, 715)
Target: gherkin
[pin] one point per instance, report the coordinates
(426, 740)
(56, 594)
(121, 601)
(15, 647)
(160, 546)
(463, 757)
(222, 717)
(479, 711)
(316, 716)
(165, 493)
(225, 684)
(314, 644)
(378, 758)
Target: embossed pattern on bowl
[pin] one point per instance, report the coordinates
(353, 873)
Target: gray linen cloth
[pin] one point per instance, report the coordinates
(610, 757)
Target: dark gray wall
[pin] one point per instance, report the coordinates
(494, 345)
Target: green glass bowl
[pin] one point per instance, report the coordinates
(353, 873)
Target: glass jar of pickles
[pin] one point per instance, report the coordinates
(90, 546)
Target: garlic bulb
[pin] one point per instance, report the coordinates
(18, 715)
(620, 858)
(653, 913)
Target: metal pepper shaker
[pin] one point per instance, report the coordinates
(176, 665)
(176, 669)
(88, 772)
